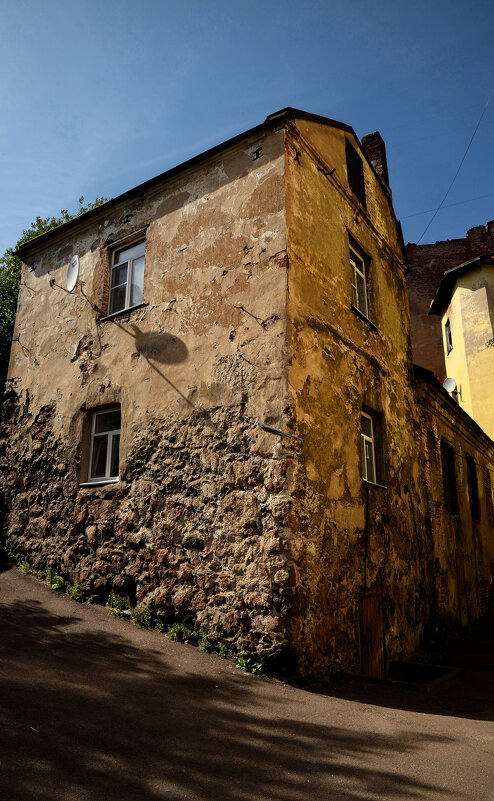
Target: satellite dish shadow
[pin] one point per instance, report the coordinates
(160, 346)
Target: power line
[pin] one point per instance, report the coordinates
(459, 168)
(449, 206)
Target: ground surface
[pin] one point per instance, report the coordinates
(95, 709)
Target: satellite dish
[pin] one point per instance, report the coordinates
(449, 384)
(72, 273)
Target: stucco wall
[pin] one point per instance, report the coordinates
(197, 522)
(349, 535)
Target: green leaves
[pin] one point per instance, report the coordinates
(10, 274)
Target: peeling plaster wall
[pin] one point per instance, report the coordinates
(349, 536)
(459, 535)
(197, 523)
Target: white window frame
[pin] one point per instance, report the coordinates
(448, 337)
(128, 283)
(358, 274)
(107, 478)
(368, 442)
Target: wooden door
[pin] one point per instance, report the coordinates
(371, 635)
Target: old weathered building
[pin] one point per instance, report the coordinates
(458, 461)
(220, 418)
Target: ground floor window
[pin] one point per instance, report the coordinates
(105, 445)
(367, 437)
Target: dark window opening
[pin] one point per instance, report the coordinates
(473, 489)
(355, 171)
(449, 478)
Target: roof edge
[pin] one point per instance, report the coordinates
(271, 120)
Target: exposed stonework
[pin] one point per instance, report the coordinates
(197, 528)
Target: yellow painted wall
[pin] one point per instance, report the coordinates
(471, 361)
(349, 535)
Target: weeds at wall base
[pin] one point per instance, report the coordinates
(142, 616)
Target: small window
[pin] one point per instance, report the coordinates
(449, 477)
(359, 285)
(368, 448)
(355, 172)
(448, 337)
(473, 489)
(105, 445)
(127, 278)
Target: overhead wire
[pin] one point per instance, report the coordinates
(459, 168)
(449, 206)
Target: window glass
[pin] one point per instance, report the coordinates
(368, 448)
(137, 281)
(107, 421)
(117, 299)
(119, 276)
(132, 252)
(105, 445)
(359, 289)
(98, 467)
(127, 278)
(115, 448)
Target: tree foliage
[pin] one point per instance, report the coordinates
(10, 275)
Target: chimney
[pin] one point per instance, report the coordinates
(375, 150)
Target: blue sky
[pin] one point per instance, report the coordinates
(100, 95)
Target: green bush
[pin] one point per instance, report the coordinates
(24, 567)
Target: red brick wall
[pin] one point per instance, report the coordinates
(427, 265)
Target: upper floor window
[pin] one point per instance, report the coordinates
(359, 285)
(473, 489)
(448, 337)
(355, 172)
(449, 477)
(127, 278)
(105, 445)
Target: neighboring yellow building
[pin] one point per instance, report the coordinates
(465, 301)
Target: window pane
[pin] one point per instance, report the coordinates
(115, 445)
(119, 275)
(137, 281)
(361, 295)
(366, 424)
(369, 462)
(364, 465)
(107, 421)
(132, 252)
(98, 467)
(117, 299)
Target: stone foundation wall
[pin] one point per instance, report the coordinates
(196, 529)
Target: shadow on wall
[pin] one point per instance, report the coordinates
(86, 714)
(159, 346)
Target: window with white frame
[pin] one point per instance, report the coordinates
(127, 278)
(359, 287)
(367, 437)
(105, 445)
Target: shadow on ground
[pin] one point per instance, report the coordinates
(471, 696)
(86, 715)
